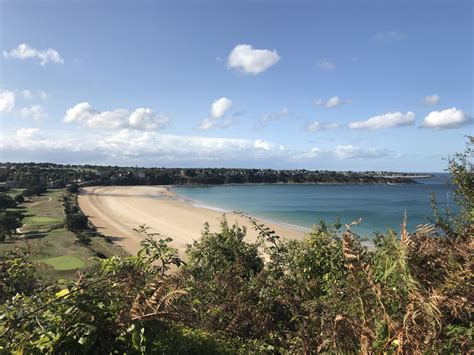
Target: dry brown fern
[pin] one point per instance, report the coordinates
(156, 301)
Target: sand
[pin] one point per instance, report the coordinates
(117, 210)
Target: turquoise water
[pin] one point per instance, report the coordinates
(379, 206)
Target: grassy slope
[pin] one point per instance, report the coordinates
(56, 248)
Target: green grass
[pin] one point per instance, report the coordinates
(65, 262)
(46, 239)
(41, 220)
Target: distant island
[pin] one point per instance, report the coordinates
(22, 175)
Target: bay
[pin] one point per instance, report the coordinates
(303, 205)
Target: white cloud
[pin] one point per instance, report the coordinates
(26, 132)
(27, 94)
(24, 51)
(342, 152)
(388, 36)
(449, 118)
(351, 152)
(217, 120)
(312, 153)
(251, 61)
(274, 116)
(140, 119)
(129, 146)
(31, 94)
(264, 145)
(36, 112)
(209, 123)
(7, 101)
(386, 120)
(431, 100)
(333, 102)
(220, 107)
(325, 64)
(316, 126)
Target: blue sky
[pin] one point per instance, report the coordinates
(344, 85)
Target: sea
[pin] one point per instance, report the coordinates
(380, 207)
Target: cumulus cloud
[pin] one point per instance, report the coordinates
(386, 120)
(431, 100)
(351, 152)
(35, 112)
(312, 153)
(264, 145)
(26, 132)
(7, 100)
(446, 119)
(251, 61)
(217, 120)
(220, 107)
(333, 102)
(317, 126)
(325, 64)
(129, 146)
(388, 36)
(141, 119)
(24, 51)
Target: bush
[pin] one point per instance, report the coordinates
(76, 221)
(6, 202)
(73, 188)
(35, 190)
(19, 199)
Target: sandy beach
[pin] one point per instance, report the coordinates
(117, 210)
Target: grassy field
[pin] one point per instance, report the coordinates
(48, 242)
(65, 262)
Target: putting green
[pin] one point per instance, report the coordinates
(42, 220)
(65, 262)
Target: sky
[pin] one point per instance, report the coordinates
(334, 85)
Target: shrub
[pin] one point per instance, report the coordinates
(73, 188)
(19, 199)
(76, 221)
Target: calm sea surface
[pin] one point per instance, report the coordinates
(379, 206)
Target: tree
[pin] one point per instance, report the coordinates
(19, 199)
(6, 202)
(34, 190)
(76, 221)
(461, 167)
(9, 222)
(73, 188)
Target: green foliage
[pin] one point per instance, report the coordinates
(16, 275)
(461, 167)
(19, 199)
(76, 221)
(33, 190)
(158, 251)
(6, 202)
(9, 222)
(72, 188)
(216, 252)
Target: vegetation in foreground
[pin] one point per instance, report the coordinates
(411, 293)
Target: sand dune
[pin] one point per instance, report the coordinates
(117, 210)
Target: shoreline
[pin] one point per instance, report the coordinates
(264, 220)
(116, 210)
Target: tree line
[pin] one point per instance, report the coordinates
(23, 175)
